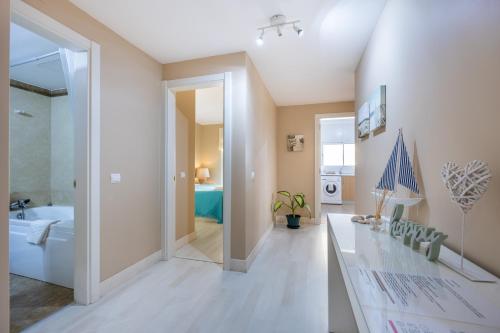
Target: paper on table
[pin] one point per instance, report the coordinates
(423, 295)
(397, 322)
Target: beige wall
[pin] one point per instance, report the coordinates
(4, 165)
(296, 169)
(207, 153)
(261, 158)
(185, 157)
(62, 140)
(197, 145)
(131, 106)
(253, 145)
(440, 61)
(30, 147)
(41, 149)
(236, 64)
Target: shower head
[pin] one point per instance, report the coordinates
(23, 113)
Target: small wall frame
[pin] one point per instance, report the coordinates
(295, 142)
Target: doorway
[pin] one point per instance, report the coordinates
(334, 164)
(199, 184)
(207, 178)
(54, 167)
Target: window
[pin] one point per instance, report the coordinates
(338, 154)
(349, 154)
(333, 154)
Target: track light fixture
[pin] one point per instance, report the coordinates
(299, 31)
(278, 23)
(260, 39)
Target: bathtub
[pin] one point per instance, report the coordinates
(52, 261)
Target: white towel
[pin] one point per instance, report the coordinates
(39, 230)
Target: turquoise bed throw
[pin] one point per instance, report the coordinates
(208, 203)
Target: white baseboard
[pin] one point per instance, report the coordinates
(304, 220)
(185, 240)
(312, 220)
(258, 246)
(239, 265)
(129, 273)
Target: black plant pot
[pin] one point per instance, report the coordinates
(293, 221)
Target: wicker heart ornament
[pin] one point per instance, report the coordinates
(466, 185)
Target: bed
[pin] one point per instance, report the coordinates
(208, 201)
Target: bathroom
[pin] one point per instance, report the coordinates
(42, 179)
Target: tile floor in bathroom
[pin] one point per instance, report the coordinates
(32, 300)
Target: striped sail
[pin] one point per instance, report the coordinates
(406, 176)
(388, 180)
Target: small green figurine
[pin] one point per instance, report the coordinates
(412, 234)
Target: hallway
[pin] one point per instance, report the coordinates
(284, 291)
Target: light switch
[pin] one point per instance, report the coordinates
(116, 178)
(252, 175)
(183, 174)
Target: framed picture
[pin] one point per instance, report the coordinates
(377, 109)
(295, 142)
(363, 120)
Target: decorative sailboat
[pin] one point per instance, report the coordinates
(398, 171)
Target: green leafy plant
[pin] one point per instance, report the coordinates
(293, 202)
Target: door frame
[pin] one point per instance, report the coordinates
(169, 160)
(87, 154)
(317, 157)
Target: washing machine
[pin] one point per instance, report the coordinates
(331, 189)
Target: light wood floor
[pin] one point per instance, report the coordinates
(347, 208)
(208, 243)
(284, 291)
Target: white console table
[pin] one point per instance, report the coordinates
(357, 256)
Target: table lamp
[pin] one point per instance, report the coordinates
(202, 174)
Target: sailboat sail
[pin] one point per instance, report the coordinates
(406, 176)
(388, 180)
(399, 169)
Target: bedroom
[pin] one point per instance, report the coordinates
(199, 170)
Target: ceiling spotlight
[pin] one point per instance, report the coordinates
(299, 31)
(278, 23)
(260, 39)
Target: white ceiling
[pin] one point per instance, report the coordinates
(319, 67)
(209, 106)
(45, 73)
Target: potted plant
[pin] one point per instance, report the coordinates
(296, 201)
